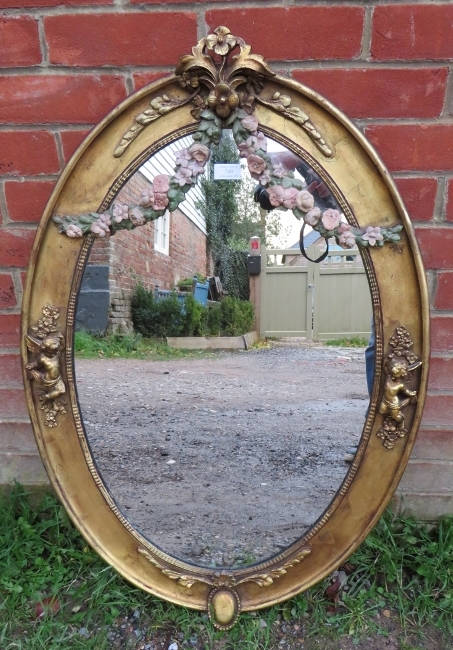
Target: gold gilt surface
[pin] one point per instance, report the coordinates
(359, 180)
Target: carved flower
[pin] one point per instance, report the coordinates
(290, 198)
(106, 218)
(330, 219)
(265, 177)
(305, 201)
(161, 183)
(199, 152)
(223, 100)
(74, 231)
(312, 217)
(372, 235)
(100, 228)
(136, 216)
(250, 123)
(195, 168)
(347, 239)
(276, 194)
(256, 164)
(182, 157)
(147, 198)
(222, 41)
(246, 148)
(279, 171)
(343, 227)
(183, 176)
(160, 201)
(119, 212)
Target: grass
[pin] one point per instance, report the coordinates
(56, 593)
(354, 342)
(128, 346)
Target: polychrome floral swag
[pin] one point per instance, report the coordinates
(224, 90)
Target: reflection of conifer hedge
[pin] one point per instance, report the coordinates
(221, 212)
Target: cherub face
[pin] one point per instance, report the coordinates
(399, 370)
(50, 344)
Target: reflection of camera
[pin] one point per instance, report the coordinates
(262, 197)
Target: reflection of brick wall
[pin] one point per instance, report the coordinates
(132, 257)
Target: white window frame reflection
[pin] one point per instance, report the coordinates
(162, 234)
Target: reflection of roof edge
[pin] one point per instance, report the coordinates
(163, 162)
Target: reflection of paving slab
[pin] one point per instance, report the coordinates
(258, 440)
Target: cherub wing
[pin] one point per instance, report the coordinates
(33, 345)
(415, 365)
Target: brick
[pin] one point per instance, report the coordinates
(412, 32)
(444, 293)
(381, 93)
(425, 507)
(19, 41)
(9, 330)
(16, 247)
(70, 140)
(413, 147)
(450, 201)
(26, 200)
(419, 196)
(295, 33)
(144, 78)
(433, 444)
(27, 153)
(12, 403)
(440, 374)
(7, 293)
(24, 468)
(17, 437)
(437, 247)
(120, 39)
(77, 99)
(10, 369)
(442, 333)
(428, 477)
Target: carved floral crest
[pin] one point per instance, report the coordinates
(224, 81)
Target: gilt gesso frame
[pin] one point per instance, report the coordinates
(320, 134)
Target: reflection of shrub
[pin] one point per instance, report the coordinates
(170, 316)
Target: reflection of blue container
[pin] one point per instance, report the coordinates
(201, 292)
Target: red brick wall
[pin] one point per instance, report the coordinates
(387, 64)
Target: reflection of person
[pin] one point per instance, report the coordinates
(49, 362)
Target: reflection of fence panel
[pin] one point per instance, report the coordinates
(321, 301)
(285, 297)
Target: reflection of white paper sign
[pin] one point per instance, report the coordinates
(227, 172)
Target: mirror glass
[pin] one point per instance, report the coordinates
(221, 458)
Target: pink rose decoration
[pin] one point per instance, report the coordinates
(135, 215)
(147, 198)
(330, 219)
(290, 198)
(182, 157)
(250, 123)
(160, 201)
(312, 217)
(106, 218)
(372, 235)
(347, 239)
(343, 227)
(261, 142)
(304, 201)
(256, 164)
(279, 170)
(183, 176)
(199, 152)
(196, 168)
(74, 231)
(119, 212)
(265, 177)
(276, 194)
(100, 228)
(161, 183)
(245, 149)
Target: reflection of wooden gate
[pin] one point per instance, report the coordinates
(321, 301)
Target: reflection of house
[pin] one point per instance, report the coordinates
(314, 246)
(159, 253)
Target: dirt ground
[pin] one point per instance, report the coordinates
(226, 459)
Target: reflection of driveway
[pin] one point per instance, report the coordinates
(227, 458)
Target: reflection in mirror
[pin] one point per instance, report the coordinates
(222, 458)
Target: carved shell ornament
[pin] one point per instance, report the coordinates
(224, 81)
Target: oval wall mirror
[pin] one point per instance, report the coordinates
(307, 157)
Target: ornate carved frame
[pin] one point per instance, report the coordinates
(319, 133)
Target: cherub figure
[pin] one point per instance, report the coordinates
(391, 404)
(45, 369)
